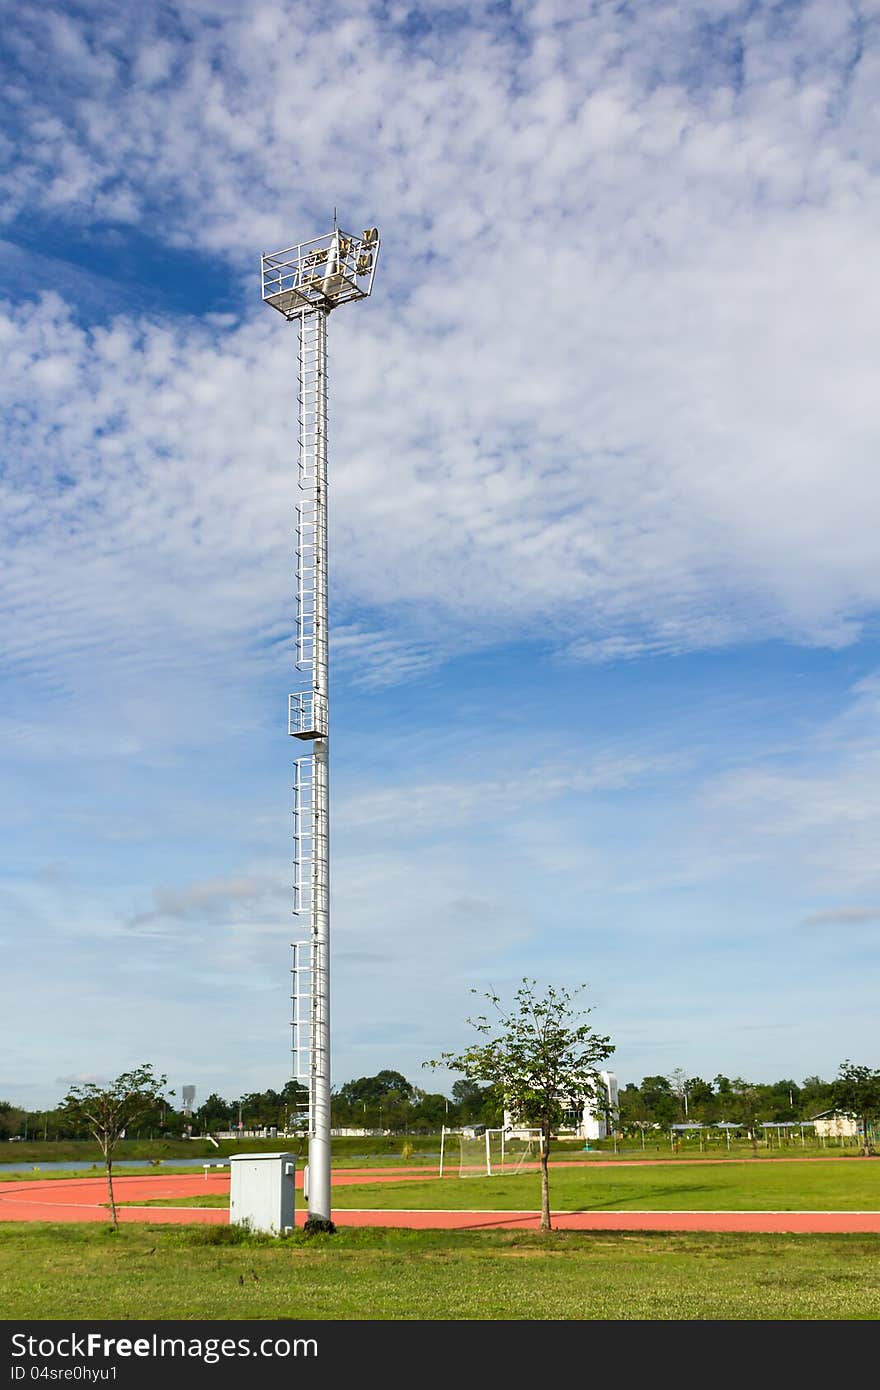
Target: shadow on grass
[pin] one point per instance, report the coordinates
(631, 1203)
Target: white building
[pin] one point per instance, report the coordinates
(598, 1121)
(832, 1125)
(595, 1121)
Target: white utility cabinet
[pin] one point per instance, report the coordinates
(262, 1191)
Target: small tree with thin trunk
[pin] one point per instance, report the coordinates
(543, 1058)
(856, 1092)
(107, 1111)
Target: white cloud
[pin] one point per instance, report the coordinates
(375, 659)
(616, 384)
(816, 807)
(842, 916)
(464, 799)
(214, 898)
(616, 381)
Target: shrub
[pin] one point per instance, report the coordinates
(319, 1226)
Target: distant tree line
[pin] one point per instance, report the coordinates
(679, 1099)
(387, 1101)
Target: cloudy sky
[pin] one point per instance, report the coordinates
(605, 572)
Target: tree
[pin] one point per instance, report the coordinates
(541, 1058)
(633, 1110)
(427, 1112)
(660, 1101)
(701, 1100)
(747, 1106)
(468, 1097)
(382, 1101)
(373, 1089)
(678, 1085)
(856, 1091)
(108, 1111)
(10, 1119)
(213, 1113)
(815, 1096)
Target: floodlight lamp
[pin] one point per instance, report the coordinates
(320, 274)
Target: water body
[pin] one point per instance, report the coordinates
(99, 1167)
(36, 1168)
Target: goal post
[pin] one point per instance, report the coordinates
(523, 1147)
(472, 1156)
(472, 1152)
(495, 1151)
(490, 1154)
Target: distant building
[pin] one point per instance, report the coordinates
(831, 1124)
(597, 1122)
(594, 1121)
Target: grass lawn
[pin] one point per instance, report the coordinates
(156, 1272)
(833, 1186)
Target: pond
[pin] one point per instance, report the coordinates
(120, 1163)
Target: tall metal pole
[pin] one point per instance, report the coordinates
(314, 361)
(304, 283)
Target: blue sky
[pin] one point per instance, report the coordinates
(605, 575)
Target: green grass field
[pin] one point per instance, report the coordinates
(155, 1272)
(831, 1186)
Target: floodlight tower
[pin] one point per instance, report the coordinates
(304, 283)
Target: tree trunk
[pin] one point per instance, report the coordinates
(108, 1159)
(545, 1179)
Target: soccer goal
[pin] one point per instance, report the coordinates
(471, 1156)
(462, 1154)
(489, 1154)
(521, 1150)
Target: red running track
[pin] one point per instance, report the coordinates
(82, 1199)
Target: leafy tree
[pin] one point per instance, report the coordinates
(660, 1100)
(10, 1119)
(295, 1097)
(382, 1101)
(107, 1111)
(700, 1095)
(373, 1089)
(263, 1109)
(633, 1110)
(542, 1059)
(781, 1100)
(428, 1111)
(213, 1113)
(815, 1097)
(468, 1096)
(747, 1105)
(856, 1091)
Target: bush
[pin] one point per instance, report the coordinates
(319, 1226)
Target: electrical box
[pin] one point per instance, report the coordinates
(261, 1193)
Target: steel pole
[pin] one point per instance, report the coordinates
(319, 1143)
